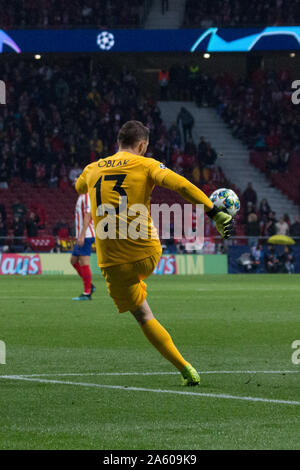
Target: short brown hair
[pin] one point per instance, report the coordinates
(131, 133)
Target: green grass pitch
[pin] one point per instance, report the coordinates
(92, 383)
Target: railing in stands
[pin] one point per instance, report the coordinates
(49, 243)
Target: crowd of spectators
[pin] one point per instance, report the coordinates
(258, 108)
(67, 13)
(271, 259)
(239, 13)
(61, 117)
(260, 112)
(26, 222)
(124, 13)
(261, 221)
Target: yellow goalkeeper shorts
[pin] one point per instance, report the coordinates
(125, 282)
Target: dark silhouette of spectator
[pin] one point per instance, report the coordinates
(287, 260)
(18, 208)
(201, 154)
(40, 173)
(4, 172)
(190, 148)
(3, 230)
(18, 228)
(264, 209)
(272, 162)
(249, 195)
(174, 136)
(287, 219)
(28, 170)
(210, 155)
(40, 211)
(164, 6)
(32, 225)
(62, 229)
(182, 78)
(194, 77)
(74, 173)
(295, 228)
(269, 228)
(272, 262)
(174, 75)
(256, 257)
(205, 91)
(3, 212)
(252, 229)
(163, 81)
(53, 176)
(283, 160)
(187, 122)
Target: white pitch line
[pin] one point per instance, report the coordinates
(153, 390)
(85, 374)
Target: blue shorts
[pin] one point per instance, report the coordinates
(84, 250)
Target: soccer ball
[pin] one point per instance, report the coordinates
(105, 40)
(227, 200)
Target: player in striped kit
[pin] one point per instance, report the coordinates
(85, 237)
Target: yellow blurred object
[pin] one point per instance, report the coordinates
(196, 174)
(281, 240)
(206, 174)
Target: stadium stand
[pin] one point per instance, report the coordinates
(239, 13)
(61, 117)
(66, 13)
(256, 110)
(52, 130)
(259, 111)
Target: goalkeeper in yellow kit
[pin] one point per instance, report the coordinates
(125, 260)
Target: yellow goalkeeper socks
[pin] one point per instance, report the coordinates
(162, 341)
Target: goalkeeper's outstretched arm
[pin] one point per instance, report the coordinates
(171, 180)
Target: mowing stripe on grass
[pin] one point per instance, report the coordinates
(153, 390)
(82, 374)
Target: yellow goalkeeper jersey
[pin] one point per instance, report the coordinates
(119, 187)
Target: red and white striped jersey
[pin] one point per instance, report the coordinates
(83, 205)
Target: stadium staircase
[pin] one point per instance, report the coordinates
(172, 19)
(234, 161)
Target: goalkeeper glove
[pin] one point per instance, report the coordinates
(223, 221)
